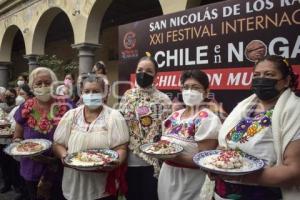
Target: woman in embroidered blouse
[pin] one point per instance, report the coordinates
(195, 128)
(91, 125)
(265, 125)
(34, 121)
(144, 109)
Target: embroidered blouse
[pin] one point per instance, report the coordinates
(187, 132)
(38, 125)
(144, 111)
(253, 135)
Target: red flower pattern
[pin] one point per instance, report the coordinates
(203, 114)
(42, 124)
(45, 124)
(25, 112)
(31, 121)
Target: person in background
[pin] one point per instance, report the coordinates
(5, 160)
(195, 128)
(43, 173)
(100, 70)
(25, 93)
(22, 79)
(265, 125)
(13, 167)
(2, 96)
(144, 108)
(91, 125)
(9, 98)
(69, 88)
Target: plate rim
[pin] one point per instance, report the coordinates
(14, 144)
(222, 172)
(161, 155)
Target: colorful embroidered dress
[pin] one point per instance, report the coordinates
(38, 123)
(144, 111)
(252, 135)
(181, 183)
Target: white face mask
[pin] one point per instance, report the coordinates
(19, 100)
(92, 101)
(19, 83)
(43, 93)
(192, 97)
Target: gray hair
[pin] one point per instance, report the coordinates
(2, 90)
(38, 70)
(91, 78)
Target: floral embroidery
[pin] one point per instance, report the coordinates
(203, 114)
(248, 128)
(184, 129)
(43, 123)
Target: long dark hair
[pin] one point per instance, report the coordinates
(27, 90)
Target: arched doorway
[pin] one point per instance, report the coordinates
(52, 40)
(118, 13)
(12, 51)
(58, 43)
(19, 64)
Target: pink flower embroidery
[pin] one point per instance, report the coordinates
(25, 112)
(31, 121)
(203, 114)
(45, 124)
(175, 114)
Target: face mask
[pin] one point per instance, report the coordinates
(43, 93)
(68, 82)
(19, 100)
(192, 97)
(92, 101)
(19, 83)
(264, 88)
(143, 79)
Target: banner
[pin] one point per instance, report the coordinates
(223, 39)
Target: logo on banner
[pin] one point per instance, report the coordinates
(129, 43)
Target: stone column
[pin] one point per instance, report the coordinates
(86, 56)
(4, 74)
(32, 61)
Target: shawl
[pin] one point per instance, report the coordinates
(285, 125)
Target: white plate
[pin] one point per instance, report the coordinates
(178, 150)
(89, 165)
(6, 133)
(12, 148)
(250, 163)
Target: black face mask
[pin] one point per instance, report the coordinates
(143, 79)
(264, 88)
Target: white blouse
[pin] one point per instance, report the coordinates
(108, 130)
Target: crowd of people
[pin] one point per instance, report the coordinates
(76, 117)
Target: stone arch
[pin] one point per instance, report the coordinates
(7, 42)
(94, 21)
(41, 29)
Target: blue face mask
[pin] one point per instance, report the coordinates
(92, 101)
